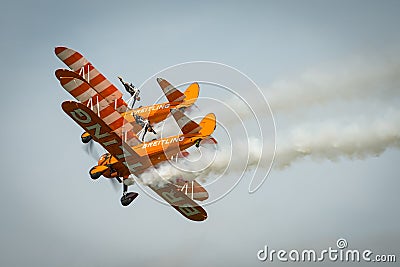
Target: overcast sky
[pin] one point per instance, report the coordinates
(52, 214)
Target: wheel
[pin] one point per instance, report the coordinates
(128, 198)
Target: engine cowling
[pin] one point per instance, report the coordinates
(97, 171)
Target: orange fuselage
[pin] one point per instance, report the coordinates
(155, 113)
(157, 151)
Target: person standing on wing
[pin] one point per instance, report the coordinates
(132, 90)
(147, 128)
(145, 124)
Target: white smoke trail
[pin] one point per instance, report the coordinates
(333, 140)
(330, 141)
(212, 163)
(351, 80)
(357, 79)
(362, 80)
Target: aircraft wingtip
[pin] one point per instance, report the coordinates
(59, 49)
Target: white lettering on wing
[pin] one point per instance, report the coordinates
(165, 141)
(83, 116)
(97, 128)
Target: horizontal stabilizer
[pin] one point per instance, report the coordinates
(185, 124)
(171, 93)
(206, 127)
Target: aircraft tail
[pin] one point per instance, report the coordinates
(191, 95)
(208, 124)
(205, 128)
(186, 98)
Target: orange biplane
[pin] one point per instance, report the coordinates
(106, 118)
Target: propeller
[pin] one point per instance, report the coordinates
(91, 150)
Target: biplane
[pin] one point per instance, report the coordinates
(108, 123)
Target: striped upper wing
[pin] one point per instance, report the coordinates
(84, 93)
(79, 64)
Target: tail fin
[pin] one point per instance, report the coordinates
(208, 124)
(191, 95)
(187, 126)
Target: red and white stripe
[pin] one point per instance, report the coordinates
(85, 94)
(79, 64)
(187, 125)
(172, 94)
(192, 189)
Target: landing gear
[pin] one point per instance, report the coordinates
(127, 198)
(110, 172)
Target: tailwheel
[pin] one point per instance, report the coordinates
(97, 171)
(86, 137)
(197, 143)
